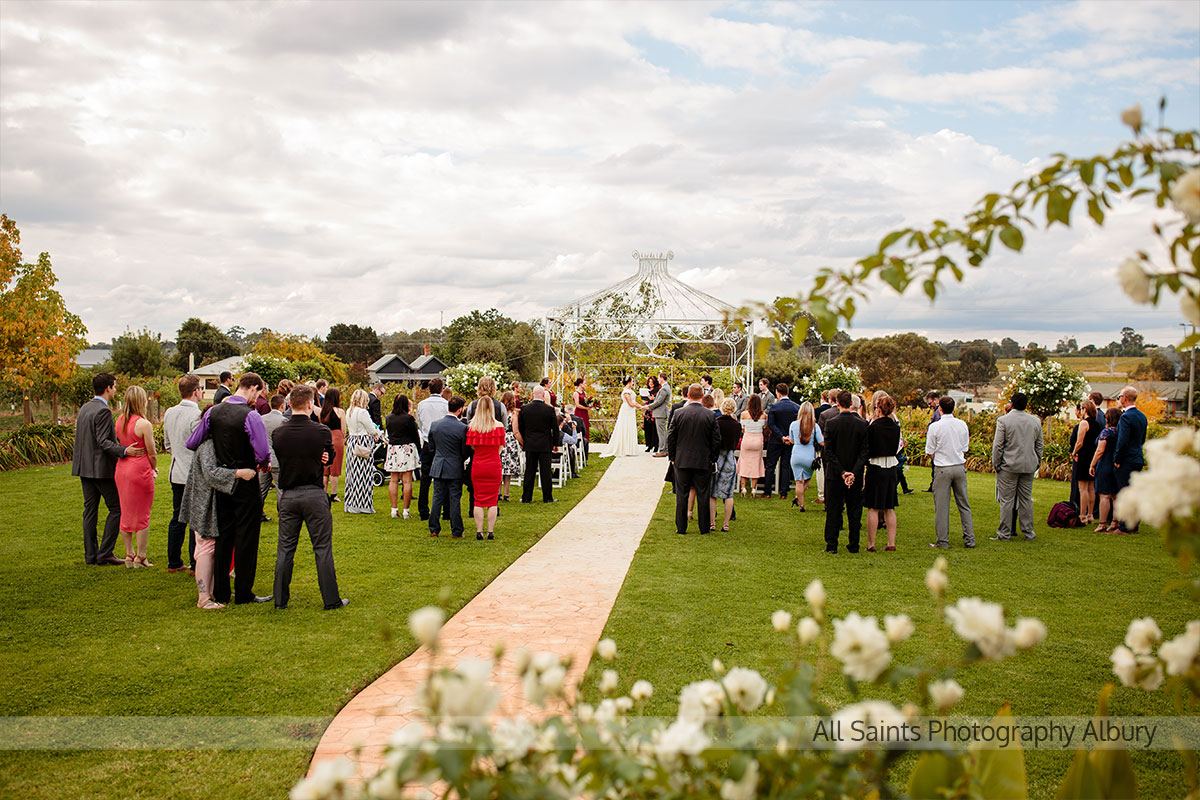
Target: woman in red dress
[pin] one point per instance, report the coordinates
(582, 404)
(486, 435)
(135, 476)
(334, 418)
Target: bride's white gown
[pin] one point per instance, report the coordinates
(624, 441)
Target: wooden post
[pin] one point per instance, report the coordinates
(54, 407)
(27, 408)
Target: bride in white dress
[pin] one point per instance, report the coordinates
(624, 441)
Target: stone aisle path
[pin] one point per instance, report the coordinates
(556, 597)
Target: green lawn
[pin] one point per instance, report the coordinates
(78, 640)
(1095, 366)
(688, 599)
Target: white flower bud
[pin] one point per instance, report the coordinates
(1134, 280)
(1185, 194)
(641, 690)
(781, 620)
(425, 624)
(1029, 632)
(606, 649)
(937, 582)
(1132, 117)
(609, 681)
(815, 594)
(945, 693)
(898, 627)
(809, 630)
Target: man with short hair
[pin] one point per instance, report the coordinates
(302, 447)
(932, 400)
(706, 384)
(948, 440)
(765, 394)
(448, 441)
(94, 462)
(779, 447)
(373, 408)
(225, 381)
(740, 399)
(178, 424)
(319, 397)
(538, 434)
(271, 421)
(845, 455)
(1016, 454)
(429, 411)
(1128, 457)
(659, 408)
(239, 442)
(693, 445)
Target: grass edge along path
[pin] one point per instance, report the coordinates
(1086, 587)
(106, 641)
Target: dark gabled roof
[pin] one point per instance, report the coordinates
(427, 365)
(387, 360)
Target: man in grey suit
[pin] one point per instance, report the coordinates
(1016, 454)
(659, 407)
(178, 424)
(448, 439)
(94, 461)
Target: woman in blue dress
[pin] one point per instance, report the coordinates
(1104, 472)
(805, 435)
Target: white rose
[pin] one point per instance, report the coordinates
(521, 660)
(1180, 653)
(386, 786)
(718, 667)
(898, 627)
(937, 582)
(701, 701)
(781, 620)
(1185, 194)
(1029, 632)
(815, 594)
(983, 624)
(746, 688)
(512, 739)
(609, 681)
(809, 630)
(681, 737)
(945, 693)
(405, 740)
(329, 778)
(1132, 117)
(606, 649)
(941, 564)
(425, 623)
(860, 646)
(1142, 635)
(467, 697)
(624, 704)
(1134, 280)
(881, 716)
(1136, 670)
(1189, 307)
(744, 789)
(641, 690)
(552, 679)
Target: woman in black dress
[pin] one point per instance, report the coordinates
(1082, 453)
(648, 426)
(879, 496)
(1104, 472)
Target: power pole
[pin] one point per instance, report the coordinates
(828, 352)
(1191, 371)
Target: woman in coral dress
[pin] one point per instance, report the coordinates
(135, 476)
(486, 436)
(750, 462)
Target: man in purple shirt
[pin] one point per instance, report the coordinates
(239, 440)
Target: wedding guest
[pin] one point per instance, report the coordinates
(260, 402)
(510, 456)
(268, 478)
(718, 397)
(571, 439)
(693, 445)
(583, 404)
(706, 386)
(883, 443)
(94, 462)
(932, 400)
(750, 462)
(362, 437)
(135, 476)
(334, 418)
(485, 437)
(319, 397)
(551, 397)
(1131, 437)
(805, 435)
(224, 387)
(1098, 400)
(284, 390)
(516, 390)
(239, 442)
(711, 404)
(659, 408)
(948, 440)
(824, 405)
(448, 441)
(648, 423)
(537, 431)
(486, 387)
(403, 453)
(1084, 449)
(580, 430)
(178, 423)
(740, 398)
(1104, 472)
(829, 404)
(300, 445)
(429, 411)
(845, 456)
(373, 406)
(765, 395)
(780, 417)
(725, 473)
(447, 394)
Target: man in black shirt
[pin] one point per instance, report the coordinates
(845, 457)
(302, 447)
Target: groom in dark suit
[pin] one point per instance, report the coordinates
(95, 463)
(693, 444)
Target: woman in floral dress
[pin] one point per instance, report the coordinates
(510, 454)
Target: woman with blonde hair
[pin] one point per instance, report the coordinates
(805, 435)
(362, 434)
(725, 476)
(510, 456)
(1087, 433)
(135, 476)
(486, 435)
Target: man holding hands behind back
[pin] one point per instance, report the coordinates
(693, 444)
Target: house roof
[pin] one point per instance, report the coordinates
(232, 364)
(383, 361)
(92, 356)
(1175, 391)
(420, 362)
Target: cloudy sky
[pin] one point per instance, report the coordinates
(291, 165)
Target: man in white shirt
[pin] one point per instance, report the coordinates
(947, 441)
(429, 411)
(178, 424)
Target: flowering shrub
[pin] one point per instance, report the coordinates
(830, 376)
(1048, 384)
(463, 380)
(711, 748)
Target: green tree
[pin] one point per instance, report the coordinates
(205, 341)
(976, 366)
(778, 365)
(1035, 353)
(469, 329)
(138, 354)
(1132, 343)
(905, 365)
(353, 344)
(271, 369)
(1159, 368)
(1008, 348)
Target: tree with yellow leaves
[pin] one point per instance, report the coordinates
(298, 348)
(39, 337)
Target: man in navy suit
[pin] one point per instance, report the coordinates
(448, 438)
(1131, 435)
(779, 447)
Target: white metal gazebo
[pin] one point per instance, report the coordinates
(645, 311)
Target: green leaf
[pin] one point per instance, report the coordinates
(1087, 171)
(893, 277)
(1114, 773)
(799, 331)
(1126, 175)
(934, 775)
(1095, 212)
(891, 239)
(1012, 238)
(450, 759)
(1080, 783)
(1001, 773)
(930, 286)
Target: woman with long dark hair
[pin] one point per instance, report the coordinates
(334, 418)
(648, 426)
(403, 452)
(750, 462)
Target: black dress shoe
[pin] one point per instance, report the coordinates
(908, 491)
(108, 561)
(265, 518)
(345, 602)
(491, 536)
(281, 608)
(479, 537)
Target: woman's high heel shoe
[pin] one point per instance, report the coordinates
(796, 501)
(142, 561)
(130, 562)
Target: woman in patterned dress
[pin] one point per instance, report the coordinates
(402, 453)
(361, 436)
(725, 475)
(510, 454)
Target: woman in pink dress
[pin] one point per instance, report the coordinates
(750, 462)
(135, 476)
